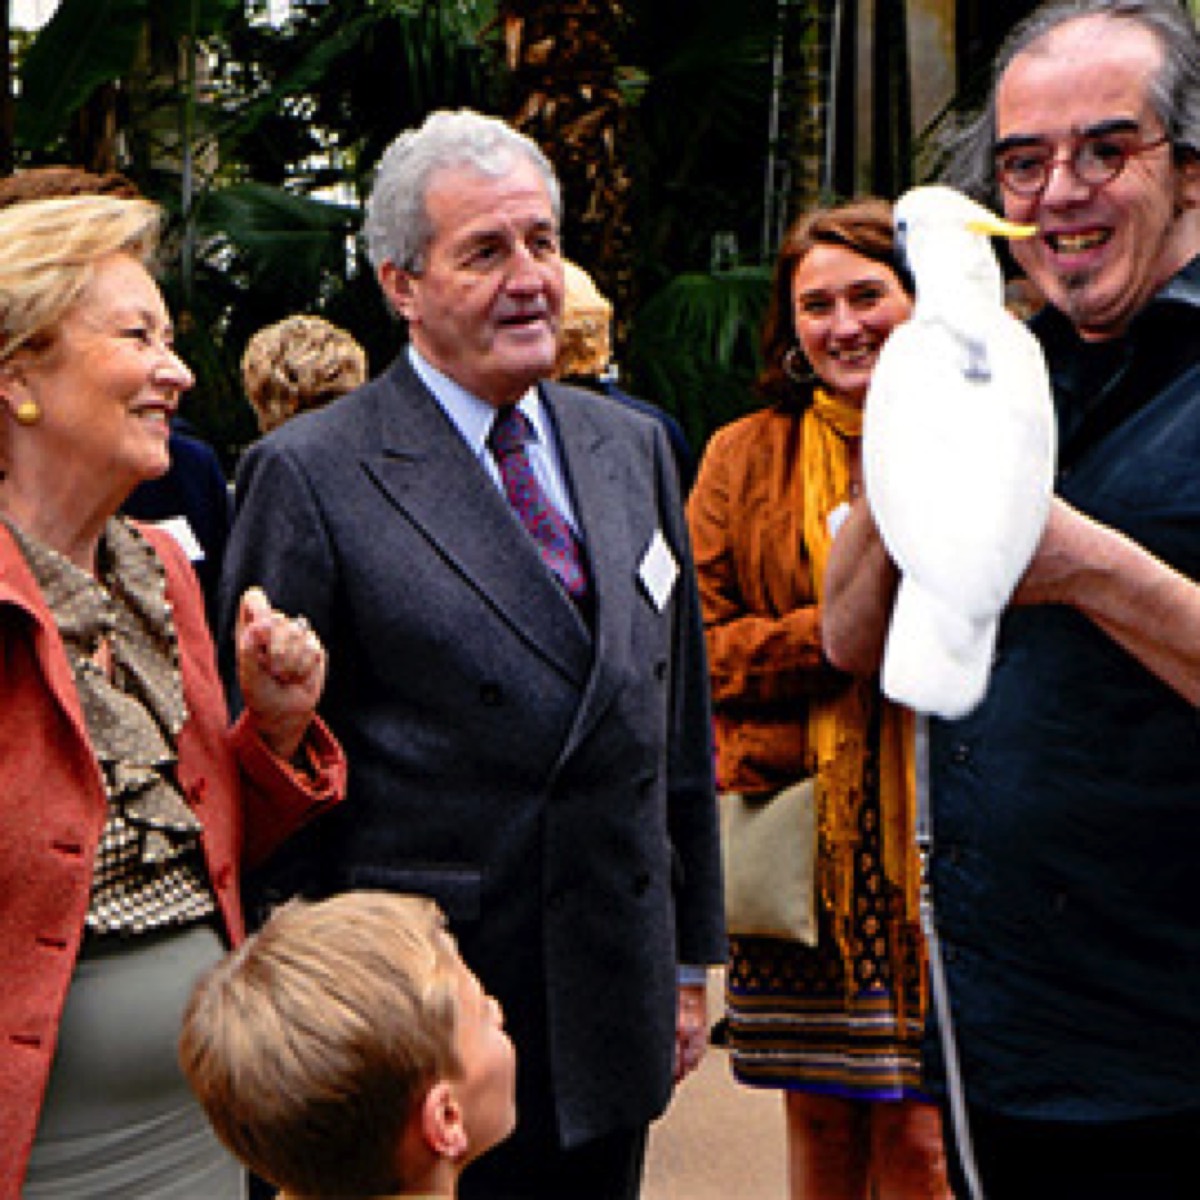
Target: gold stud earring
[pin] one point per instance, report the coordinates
(28, 413)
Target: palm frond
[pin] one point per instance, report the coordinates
(694, 346)
(280, 239)
(88, 43)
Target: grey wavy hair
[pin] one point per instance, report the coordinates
(397, 226)
(1174, 91)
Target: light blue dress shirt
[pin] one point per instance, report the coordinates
(473, 418)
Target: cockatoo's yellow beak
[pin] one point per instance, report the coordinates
(994, 226)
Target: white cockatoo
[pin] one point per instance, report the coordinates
(958, 453)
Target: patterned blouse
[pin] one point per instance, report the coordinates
(149, 870)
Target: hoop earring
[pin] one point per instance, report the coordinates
(28, 413)
(800, 377)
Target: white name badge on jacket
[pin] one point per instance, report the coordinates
(658, 571)
(181, 531)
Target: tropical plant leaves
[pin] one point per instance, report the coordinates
(88, 43)
(83, 46)
(277, 234)
(694, 349)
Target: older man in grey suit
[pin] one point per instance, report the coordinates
(527, 727)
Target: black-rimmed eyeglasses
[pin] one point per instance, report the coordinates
(1094, 158)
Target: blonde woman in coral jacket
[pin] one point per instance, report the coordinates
(129, 804)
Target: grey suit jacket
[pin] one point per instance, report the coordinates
(549, 784)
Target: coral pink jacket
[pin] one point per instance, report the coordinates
(53, 806)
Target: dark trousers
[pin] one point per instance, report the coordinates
(1152, 1159)
(609, 1168)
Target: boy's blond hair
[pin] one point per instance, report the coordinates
(311, 1045)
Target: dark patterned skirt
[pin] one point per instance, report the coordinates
(804, 1018)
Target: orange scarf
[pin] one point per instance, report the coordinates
(838, 726)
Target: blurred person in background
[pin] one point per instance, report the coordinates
(585, 358)
(299, 363)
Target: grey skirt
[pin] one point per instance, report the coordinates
(118, 1117)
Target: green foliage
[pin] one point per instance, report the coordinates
(82, 47)
(695, 347)
(284, 127)
(279, 237)
(89, 43)
(262, 253)
(701, 122)
(699, 77)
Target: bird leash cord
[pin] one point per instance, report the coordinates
(937, 974)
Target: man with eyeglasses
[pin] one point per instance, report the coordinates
(1066, 808)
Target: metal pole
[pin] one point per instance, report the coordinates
(770, 192)
(831, 106)
(187, 180)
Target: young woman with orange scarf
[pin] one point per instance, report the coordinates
(837, 1026)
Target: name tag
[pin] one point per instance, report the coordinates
(181, 531)
(658, 571)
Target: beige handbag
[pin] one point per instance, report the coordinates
(769, 854)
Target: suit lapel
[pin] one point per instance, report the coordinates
(596, 479)
(429, 472)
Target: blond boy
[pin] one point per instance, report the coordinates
(345, 1050)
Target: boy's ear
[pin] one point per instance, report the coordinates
(442, 1124)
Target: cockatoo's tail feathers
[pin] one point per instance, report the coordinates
(936, 660)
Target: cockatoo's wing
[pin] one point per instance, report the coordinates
(958, 460)
(959, 470)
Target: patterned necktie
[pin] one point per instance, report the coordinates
(510, 433)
